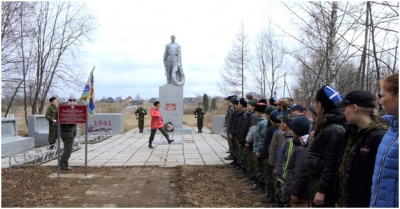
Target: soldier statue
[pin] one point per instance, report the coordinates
(140, 113)
(199, 114)
(173, 64)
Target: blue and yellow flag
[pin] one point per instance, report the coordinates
(88, 95)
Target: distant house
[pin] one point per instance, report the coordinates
(118, 99)
(128, 99)
(189, 99)
(152, 100)
(110, 100)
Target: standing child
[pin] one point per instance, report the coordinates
(296, 181)
(285, 151)
(276, 141)
(259, 137)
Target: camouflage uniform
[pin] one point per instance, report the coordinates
(230, 111)
(259, 137)
(51, 114)
(141, 112)
(199, 113)
(271, 183)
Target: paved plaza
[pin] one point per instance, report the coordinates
(136, 176)
(130, 149)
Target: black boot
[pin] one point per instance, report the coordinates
(250, 182)
(150, 144)
(170, 141)
(260, 189)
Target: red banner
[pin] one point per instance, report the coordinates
(68, 114)
(170, 106)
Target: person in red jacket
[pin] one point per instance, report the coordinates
(157, 123)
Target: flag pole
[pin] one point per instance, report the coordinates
(86, 142)
(87, 98)
(58, 148)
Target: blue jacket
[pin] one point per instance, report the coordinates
(385, 181)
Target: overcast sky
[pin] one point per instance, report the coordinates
(128, 45)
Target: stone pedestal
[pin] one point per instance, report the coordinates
(218, 124)
(171, 99)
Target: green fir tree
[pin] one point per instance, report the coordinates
(205, 102)
(213, 104)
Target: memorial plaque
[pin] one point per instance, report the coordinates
(170, 107)
(68, 114)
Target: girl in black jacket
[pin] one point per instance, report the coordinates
(364, 135)
(324, 150)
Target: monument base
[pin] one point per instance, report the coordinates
(171, 99)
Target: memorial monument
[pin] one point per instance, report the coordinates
(171, 93)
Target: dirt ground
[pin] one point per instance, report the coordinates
(184, 186)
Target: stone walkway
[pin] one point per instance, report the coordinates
(126, 173)
(130, 149)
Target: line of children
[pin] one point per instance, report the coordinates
(329, 163)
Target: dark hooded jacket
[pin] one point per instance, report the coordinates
(269, 133)
(241, 127)
(297, 178)
(250, 120)
(322, 161)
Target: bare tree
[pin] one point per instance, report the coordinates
(341, 39)
(236, 63)
(43, 48)
(269, 60)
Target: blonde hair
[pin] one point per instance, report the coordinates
(372, 112)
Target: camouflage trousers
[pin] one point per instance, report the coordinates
(230, 144)
(68, 139)
(330, 196)
(260, 163)
(270, 180)
(250, 163)
(141, 124)
(282, 198)
(239, 151)
(235, 148)
(199, 123)
(53, 134)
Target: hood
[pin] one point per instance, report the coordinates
(334, 116)
(376, 124)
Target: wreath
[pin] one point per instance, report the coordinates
(169, 127)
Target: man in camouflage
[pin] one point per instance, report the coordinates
(51, 116)
(140, 113)
(228, 117)
(199, 114)
(68, 133)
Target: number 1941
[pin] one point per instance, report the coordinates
(102, 123)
